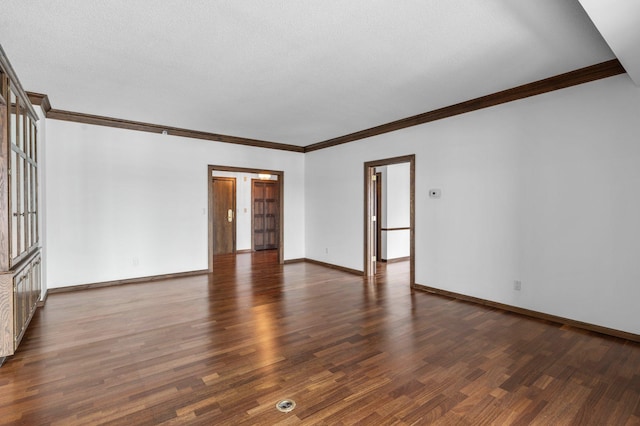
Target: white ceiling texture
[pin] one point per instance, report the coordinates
(295, 72)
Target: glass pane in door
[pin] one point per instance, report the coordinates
(14, 204)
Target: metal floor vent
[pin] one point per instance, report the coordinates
(286, 405)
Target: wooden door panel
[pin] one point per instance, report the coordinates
(224, 209)
(266, 220)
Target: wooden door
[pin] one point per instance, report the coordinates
(265, 219)
(224, 215)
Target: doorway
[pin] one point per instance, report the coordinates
(276, 176)
(223, 207)
(372, 205)
(265, 212)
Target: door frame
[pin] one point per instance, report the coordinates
(235, 210)
(369, 209)
(220, 168)
(378, 211)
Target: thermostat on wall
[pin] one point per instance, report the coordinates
(435, 193)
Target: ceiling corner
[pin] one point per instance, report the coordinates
(619, 24)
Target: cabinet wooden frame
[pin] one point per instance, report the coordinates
(20, 258)
(20, 291)
(3, 99)
(22, 172)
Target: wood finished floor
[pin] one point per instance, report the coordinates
(223, 349)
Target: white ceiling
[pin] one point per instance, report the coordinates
(295, 72)
(619, 23)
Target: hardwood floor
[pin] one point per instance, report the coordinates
(225, 348)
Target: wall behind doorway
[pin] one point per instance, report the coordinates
(396, 184)
(243, 206)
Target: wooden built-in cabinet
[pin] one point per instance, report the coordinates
(19, 295)
(20, 259)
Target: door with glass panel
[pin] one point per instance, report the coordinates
(265, 222)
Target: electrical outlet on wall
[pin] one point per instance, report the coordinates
(517, 285)
(326, 250)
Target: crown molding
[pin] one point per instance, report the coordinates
(561, 81)
(99, 120)
(174, 131)
(42, 100)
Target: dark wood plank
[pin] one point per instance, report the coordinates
(223, 348)
(562, 81)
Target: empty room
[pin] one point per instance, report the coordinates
(335, 213)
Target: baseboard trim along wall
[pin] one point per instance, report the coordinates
(43, 300)
(534, 314)
(326, 265)
(126, 281)
(81, 287)
(396, 259)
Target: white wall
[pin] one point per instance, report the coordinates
(243, 206)
(396, 211)
(542, 190)
(125, 204)
(545, 190)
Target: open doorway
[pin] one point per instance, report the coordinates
(374, 244)
(392, 213)
(267, 229)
